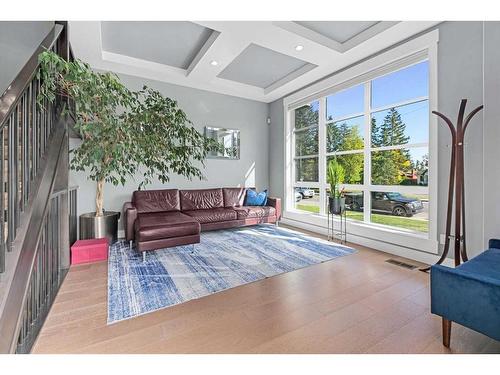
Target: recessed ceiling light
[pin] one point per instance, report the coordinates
(299, 48)
(214, 63)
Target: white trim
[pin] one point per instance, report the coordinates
(346, 152)
(295, 130)
(322, 149)
(375, 232)
(202, 52)
(400, 104)
(376, 244)
(433, 140)
(400, 57)
(399, 147)
(367, 155)
(289, 78)
(333, 44)
(344, 118)
(306, 157)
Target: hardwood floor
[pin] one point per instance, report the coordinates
(355, 304)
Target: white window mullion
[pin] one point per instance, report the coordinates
(322, 154)
(367, 175)
(289, 159)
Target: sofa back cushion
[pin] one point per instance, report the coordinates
(234, 197)
(203, 199)
(156, 200)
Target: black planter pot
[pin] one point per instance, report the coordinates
(336, 205)
(92, 226)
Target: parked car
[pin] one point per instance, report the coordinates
(305, 192)
(298, 197)
(386, 202)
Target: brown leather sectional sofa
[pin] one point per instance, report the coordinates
(156, 219)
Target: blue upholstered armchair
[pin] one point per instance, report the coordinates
(469, 294)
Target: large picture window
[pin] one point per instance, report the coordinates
(378, 131)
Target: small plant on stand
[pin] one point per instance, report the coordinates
(336, 175)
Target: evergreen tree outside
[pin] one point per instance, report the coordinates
(345, 137)
(306, 142)
(390, 167)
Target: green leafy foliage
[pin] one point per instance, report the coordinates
(123, 131)
(335, 177)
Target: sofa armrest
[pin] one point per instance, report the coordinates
(129, 217)
(467, 298)
(276, 203)
(494, 243)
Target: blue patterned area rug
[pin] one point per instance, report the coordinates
(224, 259)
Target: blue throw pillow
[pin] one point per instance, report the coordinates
(256, 199)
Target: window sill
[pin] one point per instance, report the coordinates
(372, 231)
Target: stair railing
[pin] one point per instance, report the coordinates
(34, 201)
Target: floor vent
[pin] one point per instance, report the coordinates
(401, 264)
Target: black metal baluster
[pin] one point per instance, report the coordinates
(12, 184)
(2, 201)
(15, 176)
(22, 144)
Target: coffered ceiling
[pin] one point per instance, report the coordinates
(259, 60)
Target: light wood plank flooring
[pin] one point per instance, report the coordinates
(355, 304)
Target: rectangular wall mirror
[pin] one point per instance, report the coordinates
(229, 138)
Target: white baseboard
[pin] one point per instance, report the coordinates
(386, 247)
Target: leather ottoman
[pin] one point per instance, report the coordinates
(165, 229)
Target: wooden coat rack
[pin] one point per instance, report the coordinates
(456, 185)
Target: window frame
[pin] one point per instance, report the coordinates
(403, 56)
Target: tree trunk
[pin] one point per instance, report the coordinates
(99, 198)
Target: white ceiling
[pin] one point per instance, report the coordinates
(256, 59)
(173, 43)
(262, 67)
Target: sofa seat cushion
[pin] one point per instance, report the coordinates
(246, 212)
(156, 226)
(485, 264)
(213, 215)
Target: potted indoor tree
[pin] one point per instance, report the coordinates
(335, 176)
(124, 133)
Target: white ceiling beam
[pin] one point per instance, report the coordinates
(288, 78)
(367, 34)
(234, 37)
(203, 50)
(307, 33)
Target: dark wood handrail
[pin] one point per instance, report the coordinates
(11, 96)
(37, 164)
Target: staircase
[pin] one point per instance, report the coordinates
(37, 210)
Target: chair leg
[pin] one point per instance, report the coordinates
(143, 256)
(192, 249)
(277, 223)
(130, 244)
(446, 332)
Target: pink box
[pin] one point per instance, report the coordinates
(87, 251)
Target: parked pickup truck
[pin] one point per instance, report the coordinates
(392, 203)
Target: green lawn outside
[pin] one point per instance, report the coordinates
(394, 221)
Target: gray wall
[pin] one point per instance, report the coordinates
(491, 131)
(18, 41)
(203, 108)
(460, 75)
